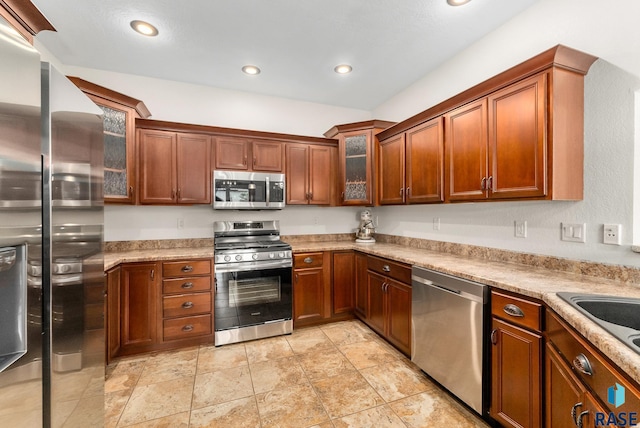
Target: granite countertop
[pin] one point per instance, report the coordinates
(536, 282)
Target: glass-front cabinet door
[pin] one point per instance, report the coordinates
(120, 112)
(356, 180)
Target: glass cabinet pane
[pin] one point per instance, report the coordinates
(355, 187)
(115, 152)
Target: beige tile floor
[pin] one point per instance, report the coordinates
(337, 375)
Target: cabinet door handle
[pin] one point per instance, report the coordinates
(483, 183)
(152, 274)
(255, 160)
(187, 268)
(342, 196)
(178, 193)
(173, 194)
(494, 336)
(490, 183)
(574, 413)
(386, 268)
(187, 327)
(402, 191)
(408, 191)
(131, 191)
(187, 285)
(582, 364)
(308, 260)
(244, 161)
(296, 278)
(311, 196)
(187, 305)
(580, 416)
(513, 310)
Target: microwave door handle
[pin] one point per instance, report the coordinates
(268, 195)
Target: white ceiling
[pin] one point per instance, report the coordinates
(296, 43)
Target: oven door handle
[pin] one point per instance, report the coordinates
(249, 266)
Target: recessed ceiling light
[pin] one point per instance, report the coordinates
(251, 69)
(457, 2)
(144, 28)
(343, 69)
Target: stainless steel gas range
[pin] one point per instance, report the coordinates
(253, 281)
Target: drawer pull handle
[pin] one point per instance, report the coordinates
(308, 260)
(574, 413)
(187, 268)
(580, 416)
(513, 310)
(187, 305)
(187, 327)
(386, 268)
(582, 364)
(187, 285)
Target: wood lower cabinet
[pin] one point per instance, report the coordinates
(248, 155)
(516, 361)
(361, 278)
(159, 306)
(343, 273)
(311, 288)
(310, 171)
(174, 168)
(138, 306)
(388, 307)
(113, 308)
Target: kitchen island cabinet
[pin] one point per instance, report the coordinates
(174, 168)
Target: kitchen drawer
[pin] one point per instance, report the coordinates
(575, 351)
(307, 260)
(186, 285)
(398, 271)
(525, 313)
(185, 327)
(186, 267)
(182, 305)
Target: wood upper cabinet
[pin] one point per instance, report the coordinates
(410, 165)
(174, 168)
(138, 298)
(357, 160)
(248, 155)
(343, 272)
(466, 154)
(517, 137)
(309, 172)
(119, 114)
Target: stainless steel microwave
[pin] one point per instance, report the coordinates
(243, 190)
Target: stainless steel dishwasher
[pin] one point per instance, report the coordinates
(447, 325)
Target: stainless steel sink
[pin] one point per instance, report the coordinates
(620, 316)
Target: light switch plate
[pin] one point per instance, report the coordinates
(574, 232)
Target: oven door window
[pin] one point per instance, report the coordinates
(250, 298)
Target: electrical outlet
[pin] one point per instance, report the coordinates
(316, 220)
(180, 223)
(436, 223)
(574, 232)
(520, 228)
(612, 234)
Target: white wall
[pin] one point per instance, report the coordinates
(604, 29)
(124, 223)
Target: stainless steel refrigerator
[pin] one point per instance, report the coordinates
(51, 264)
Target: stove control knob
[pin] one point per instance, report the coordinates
(238, 257)
(272, 256)
(227, 258)
(281, 254)
(254, 256)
